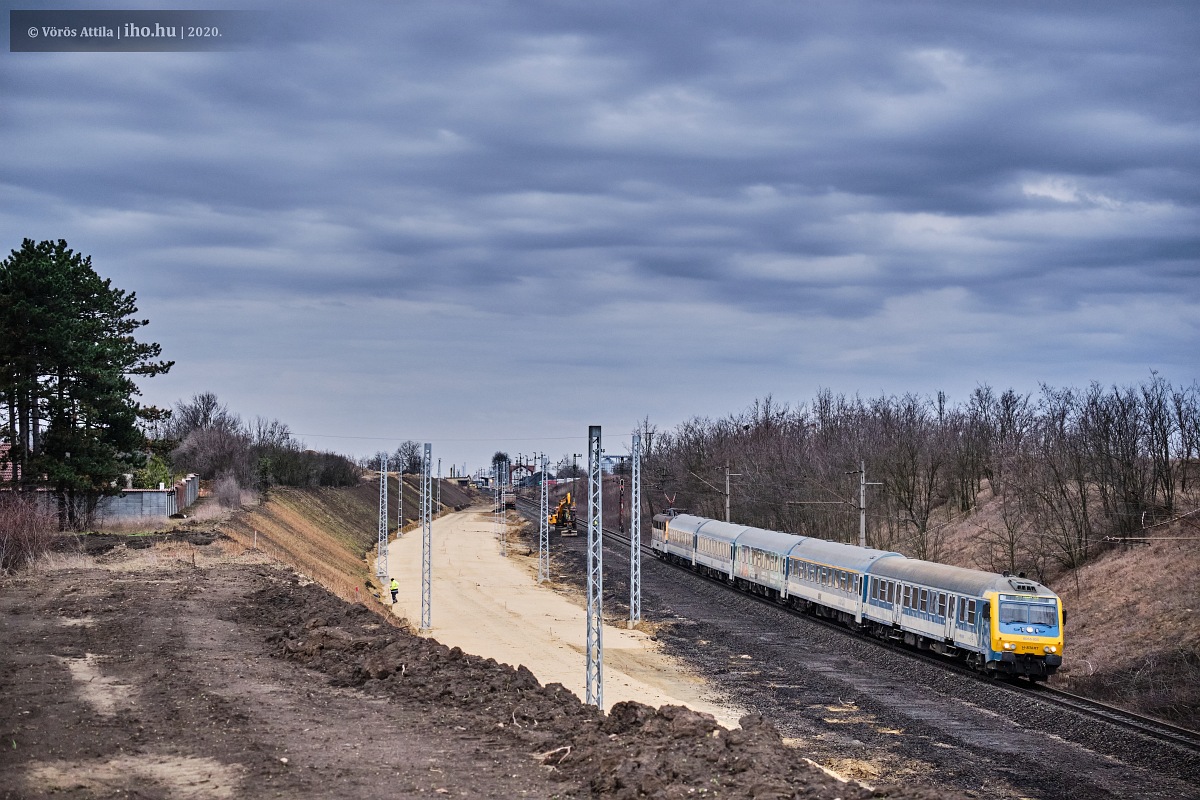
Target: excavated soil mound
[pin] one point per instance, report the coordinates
(635, 751)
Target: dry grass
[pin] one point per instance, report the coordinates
(163, 555)
(1132, 634)
(323, 533)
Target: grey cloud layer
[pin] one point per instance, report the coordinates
(1009, 176)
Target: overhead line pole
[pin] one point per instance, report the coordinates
(595, 573)
(426, 542)
(862, 502)
(544, 529)
(381, 567)
(635, 532)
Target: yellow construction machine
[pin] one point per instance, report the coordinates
(562, 518)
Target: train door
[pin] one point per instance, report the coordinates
(951, 616)
(897, 604)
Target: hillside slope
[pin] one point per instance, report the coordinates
(331, 534)
(1133, 627)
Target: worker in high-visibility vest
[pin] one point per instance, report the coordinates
(395, 587)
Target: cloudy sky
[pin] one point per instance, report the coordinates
(490, 224)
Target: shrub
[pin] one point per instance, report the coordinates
(26, 532)
(229, 492)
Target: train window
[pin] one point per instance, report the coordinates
(907, 596)
(924, 600)
(970, 612)
(941, 605)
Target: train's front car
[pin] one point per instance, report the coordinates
(1026, 628)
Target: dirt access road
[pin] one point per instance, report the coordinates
(492, 606)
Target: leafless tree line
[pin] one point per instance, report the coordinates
(213, 442)
(1066, 469)
(407, 459)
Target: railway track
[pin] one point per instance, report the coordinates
(1091, 709)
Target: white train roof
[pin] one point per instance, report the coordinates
(840, 555)
(955, 579)
(712, 528)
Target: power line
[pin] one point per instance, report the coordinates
(402, 438)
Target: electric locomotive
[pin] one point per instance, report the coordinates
(998, 624)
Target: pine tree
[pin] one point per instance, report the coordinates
(68, 356)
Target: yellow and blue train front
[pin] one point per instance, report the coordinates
(1026, 634)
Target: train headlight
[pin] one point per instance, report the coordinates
(1010, 646)
(1050, 648)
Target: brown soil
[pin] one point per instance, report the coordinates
(186, 670)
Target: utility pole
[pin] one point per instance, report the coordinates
(635, 532)
(381, 567)
(544, 529)
(426, 541)
(439, 485)
(862, 502)
(400, 491)
(595, 573)
(728, 475)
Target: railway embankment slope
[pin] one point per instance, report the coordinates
(1133, 614)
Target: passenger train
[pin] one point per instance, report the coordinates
(998, 624)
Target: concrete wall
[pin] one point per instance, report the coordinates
(134, 503)
(150, 502)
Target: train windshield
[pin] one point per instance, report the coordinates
(1042, 612)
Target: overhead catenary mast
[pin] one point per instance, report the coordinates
(426, 542)
(544, 529)
(381, 567)
(635, 532)
(595, 573)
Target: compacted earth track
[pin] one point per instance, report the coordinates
(866, 710)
